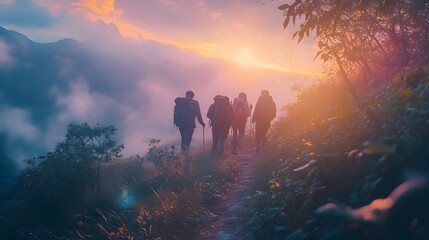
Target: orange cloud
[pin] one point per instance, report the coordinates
(106, 11)
(205, 49)
(98, 6)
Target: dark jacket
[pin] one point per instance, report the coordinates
(265, 109)
(221, 112)
(192, 113)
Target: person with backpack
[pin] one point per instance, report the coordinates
(241, 112)
(185, 112)
(265, 112)
(221, 116)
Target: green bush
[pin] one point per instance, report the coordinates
(85, 189)
(329, 149)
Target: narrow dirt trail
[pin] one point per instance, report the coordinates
(229, 223)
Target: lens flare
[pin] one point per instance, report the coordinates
(126, 200)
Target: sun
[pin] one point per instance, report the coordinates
(245, 58)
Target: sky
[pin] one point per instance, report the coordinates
(248, 32)
(148, 53)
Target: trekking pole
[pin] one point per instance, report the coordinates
(251, 124)
(203, 139)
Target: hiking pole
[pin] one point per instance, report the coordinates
(203, 139)
(251, 125)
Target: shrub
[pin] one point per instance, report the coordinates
(328, 150)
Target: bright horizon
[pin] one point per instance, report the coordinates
(162, 48)
(245, 32)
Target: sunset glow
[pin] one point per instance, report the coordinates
(221, 39)
(143, 49)
(245, 58)
(214, 119)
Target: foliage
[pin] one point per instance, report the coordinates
(370, 39)
(85, 189)
(327, 151)
(347, 145)
(186, 187)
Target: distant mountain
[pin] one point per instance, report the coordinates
(35, 69)
(41, 84)
(31, 80)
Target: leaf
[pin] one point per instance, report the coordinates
(331, 211)
(301, 36)
(286, 22)
(317, 54)
(312, 162)
(407, 93)
(378, 148)
(353, 153)
(294, 35)
(324, 57)
(291, 12)
(284, 6)
(301, 168)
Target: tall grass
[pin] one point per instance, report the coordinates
(163, 194)
(325, 150)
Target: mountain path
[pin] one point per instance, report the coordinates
(228, 221)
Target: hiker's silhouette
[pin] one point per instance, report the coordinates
(265, 112)
(221, 116)
(185, 112)
(241, 112)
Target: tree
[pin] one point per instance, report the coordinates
(60, 178)
(367, 39)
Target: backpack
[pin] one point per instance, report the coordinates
(182, 111)
(222, 114)
(240, 112)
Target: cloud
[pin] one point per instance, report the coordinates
(19, 138)
(5, 57)
(25, 13)
(132, 84)
(98, 6)
(17, 124)
(222, 26)
(131, 60)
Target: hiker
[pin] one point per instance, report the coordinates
(241, 112)
(185, 111)
(221, 116)
(265, 112)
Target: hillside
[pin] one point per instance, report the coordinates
(347, 160)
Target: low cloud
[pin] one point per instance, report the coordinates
(112, 80)
(17, 124)
(107, 79)
(129, 84)
(5, 57)
(19, 136)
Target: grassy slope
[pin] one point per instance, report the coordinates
(162, 194)
(326, 149)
